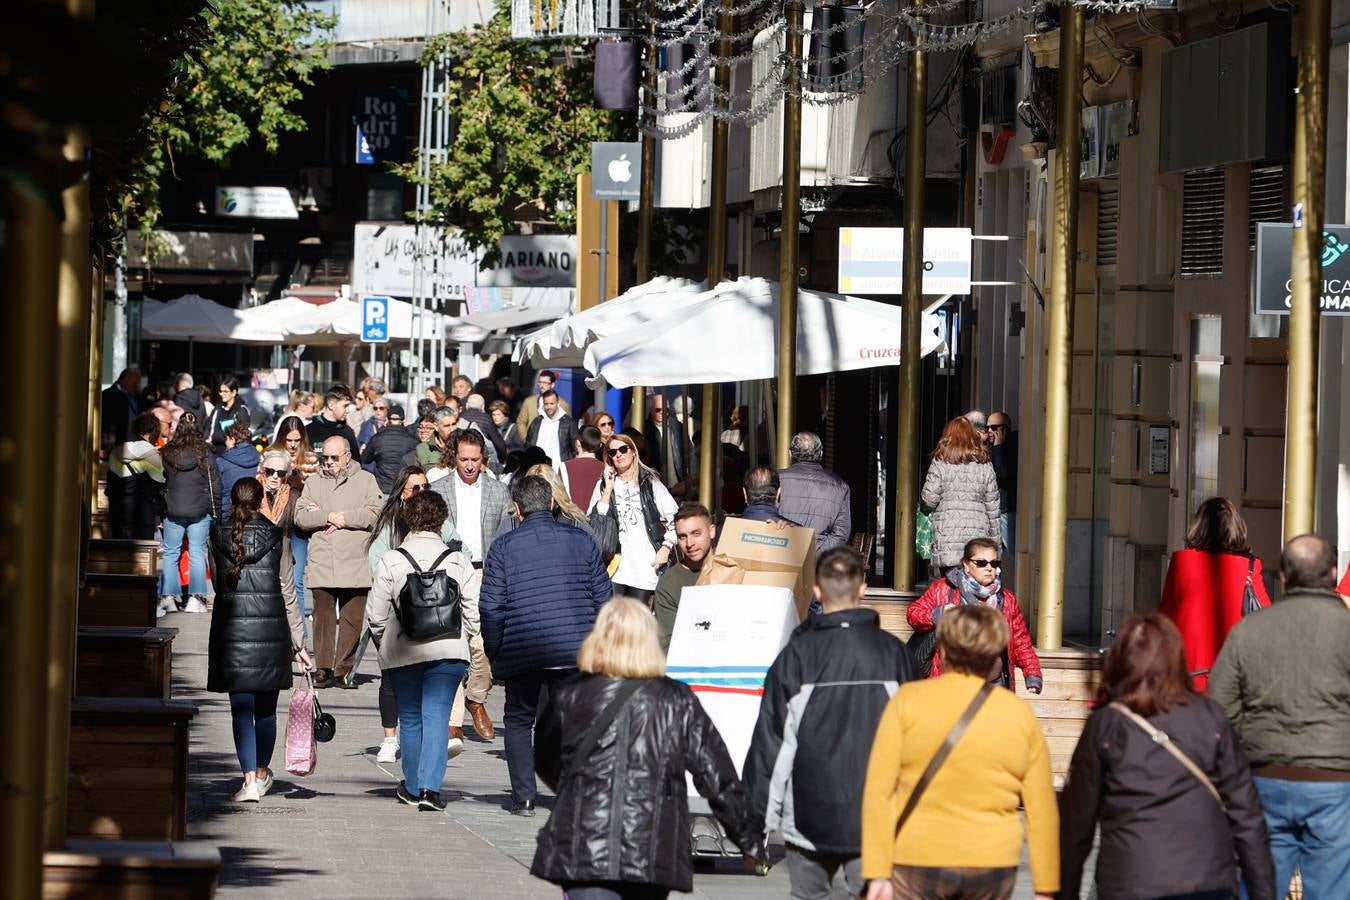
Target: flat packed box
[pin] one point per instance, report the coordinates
(750, 552)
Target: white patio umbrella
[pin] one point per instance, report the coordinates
(190, 318)
(731, 334)
(563, 343)
(339, 322)
(275, 322)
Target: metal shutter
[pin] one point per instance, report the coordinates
(1267, 199)
(1202, 224)
(1108, 222)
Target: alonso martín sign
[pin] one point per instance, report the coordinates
(1274, 246)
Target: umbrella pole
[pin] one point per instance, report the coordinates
(789, 238)
(190, 355)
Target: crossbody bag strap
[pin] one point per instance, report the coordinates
(1162, 739)
(953, 736)
(601, 723)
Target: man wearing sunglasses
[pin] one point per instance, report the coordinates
(1003, 457)
(339, 506)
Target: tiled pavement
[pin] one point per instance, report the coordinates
(339, 833)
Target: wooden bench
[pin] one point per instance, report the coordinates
(131, 870)
(121, 661)
(123, 557)
(128, 769)
(108, 599)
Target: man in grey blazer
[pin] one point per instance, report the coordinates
(480, 509)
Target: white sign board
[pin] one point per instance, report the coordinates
(540, 260)
(871, 260)
(387, 256)
(256, 203)
(725, 638)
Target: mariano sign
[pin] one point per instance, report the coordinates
(1274, 247)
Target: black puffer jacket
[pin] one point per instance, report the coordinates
(191, 492)
(250, 643)
(623, 814)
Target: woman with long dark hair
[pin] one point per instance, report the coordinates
(255, 633)
(230, 411)
(390, 529)
(960, 493)
(1159, 768)
(290, 439)
(1212, 583)
(192, 497)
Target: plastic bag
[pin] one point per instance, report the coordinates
(302, 751)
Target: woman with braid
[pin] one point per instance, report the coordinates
(256, 629)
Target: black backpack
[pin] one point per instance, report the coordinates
(429, 603)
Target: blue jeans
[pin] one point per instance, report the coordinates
(197, 531)
(255, 727)
(425, 692)
(1309, 824)
(300, 553)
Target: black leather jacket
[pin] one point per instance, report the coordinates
(250, 642)
(622, 815)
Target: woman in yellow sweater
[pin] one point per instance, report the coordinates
(963, 839)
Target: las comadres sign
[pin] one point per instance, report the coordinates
(1274, 247)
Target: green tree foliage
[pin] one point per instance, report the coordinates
(524, 120)
(240, 81)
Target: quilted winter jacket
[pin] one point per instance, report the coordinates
(1021, 651)
(823, 698)
(622, 815)
(543, 585)
(254, 630)
(818, 499)
(338, 559)
(963, 502)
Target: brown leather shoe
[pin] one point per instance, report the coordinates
(456, 732)
(482, 722)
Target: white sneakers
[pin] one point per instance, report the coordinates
(265, 785)
(388, 750)
(249, 793)
(454, 748)
(167, 604)
(195, 605)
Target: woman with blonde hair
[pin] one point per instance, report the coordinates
(564, 509)
(952, 759)
(614, 743)
(633, 517)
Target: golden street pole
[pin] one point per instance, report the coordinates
(646, 202)
(790, 237)
(29, 255)
(907, 400)
(1310, 148)
(1059, 343)
(717, 248)
(93, 416)
(68, 451)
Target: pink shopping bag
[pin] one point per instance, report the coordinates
(302, 751)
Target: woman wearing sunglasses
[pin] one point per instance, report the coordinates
(633, 516)
(976, 581)
(390, 529)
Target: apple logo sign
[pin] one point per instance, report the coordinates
(620, 169)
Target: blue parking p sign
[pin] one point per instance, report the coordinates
(375, 319)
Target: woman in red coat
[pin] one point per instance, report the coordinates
(975, 580)
(1207, 583)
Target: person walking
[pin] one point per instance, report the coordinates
(805, 768)
(976, 582)
(475, 413)
(1002, 442)
(387, 448)
(332, 420)
(240, 460)
(480, 509)
(634, 516)
(187, 398)
(1283, 680)
(583, 471)
(543, 583)
(230, 410)
(378, 418)
(553, 430)
(528, 411)
(500, 413)
(564, 510)
(695, 533)
(391, 527)
(135, 485)
(604, 423)
(945, 825)
(119, 406)
(425, 673)
(290, 439)
(192, 497)
(666, 447)
(763, 493)
(615, 743)
(1212, 583)
(1174, 812)
(256, 633)
(960, 493)
(815, 496)
(338, 507)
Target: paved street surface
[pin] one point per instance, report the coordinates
(339, 833)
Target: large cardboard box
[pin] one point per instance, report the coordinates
(761, 553)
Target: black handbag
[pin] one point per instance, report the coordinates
(1250, 602)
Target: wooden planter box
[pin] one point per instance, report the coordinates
(131, 870)
(120, 557)
(128, 769)
(127, 600)
(117, 661)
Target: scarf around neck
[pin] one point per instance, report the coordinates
(275, 507)
(972, 591)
